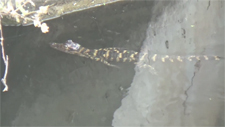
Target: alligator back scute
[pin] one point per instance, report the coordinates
(118, 54)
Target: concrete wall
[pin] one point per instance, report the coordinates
(188, 93)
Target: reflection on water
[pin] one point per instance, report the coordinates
(48, 87)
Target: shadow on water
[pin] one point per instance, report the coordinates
(48, 87)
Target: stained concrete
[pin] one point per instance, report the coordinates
(188, 93)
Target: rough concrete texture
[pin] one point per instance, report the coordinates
(180, 93)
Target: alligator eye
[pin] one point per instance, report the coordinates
(76, 46)
(70, 41)
(72, 45)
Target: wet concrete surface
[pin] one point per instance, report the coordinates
(49, 88)
(188, 93)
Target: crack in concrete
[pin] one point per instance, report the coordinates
(208, 5)
(197, 67)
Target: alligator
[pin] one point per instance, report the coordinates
(105, 55)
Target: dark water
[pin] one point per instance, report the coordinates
(48, 87)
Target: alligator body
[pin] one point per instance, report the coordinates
(103, 55)
(120, 54)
